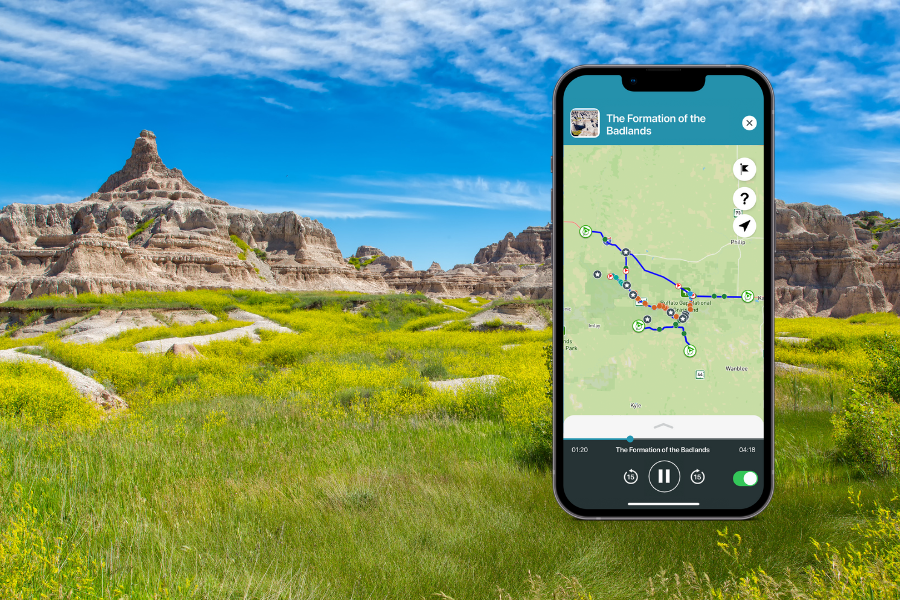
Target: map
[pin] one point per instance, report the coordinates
(663, 280)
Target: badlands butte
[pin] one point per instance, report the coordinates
(147, 228)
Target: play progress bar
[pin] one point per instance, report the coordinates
(663, 504)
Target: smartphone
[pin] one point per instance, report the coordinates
(663, 251)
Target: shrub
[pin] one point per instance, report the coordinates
(434, 370)
(458, 325)
(855, 573)
(867, 431)
(39, 394)
(142, 227)
(260, 254)
(532, 414)
(829, 342)
(493, 324)
(884, 376)
(239, 243)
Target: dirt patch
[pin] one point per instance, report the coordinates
(486, 381)
(511, 314)
(258, 323)
(109, 323)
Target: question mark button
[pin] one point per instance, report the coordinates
(744, 198)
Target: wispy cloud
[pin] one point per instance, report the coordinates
(880, 120)
(39, 199)
(467, 192)
(500, 57)
(323, 210)
(870, 176)
(275, 102)
(438, 98)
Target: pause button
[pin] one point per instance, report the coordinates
(664, 476)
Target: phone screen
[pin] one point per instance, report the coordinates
(662, 258)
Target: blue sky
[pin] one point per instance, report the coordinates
(421, 127)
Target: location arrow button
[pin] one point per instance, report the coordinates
(744, 226)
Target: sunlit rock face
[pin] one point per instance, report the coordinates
(825, 264)
(148, 228)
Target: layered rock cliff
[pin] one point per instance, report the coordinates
(149, 228)
(825, 264)
(517, 265)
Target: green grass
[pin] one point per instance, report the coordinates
(402, 509)
(466, 304)
(142, 227)
(391, 311)
(835, 344)
(320, 464)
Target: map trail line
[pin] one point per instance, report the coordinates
(657, 329)
(641, 264)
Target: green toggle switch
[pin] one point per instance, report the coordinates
(745, 478)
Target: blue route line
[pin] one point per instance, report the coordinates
(684, 331)
(648, 328)
(638, 262)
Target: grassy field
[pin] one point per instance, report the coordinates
(321, 464)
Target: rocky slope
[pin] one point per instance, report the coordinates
(517, 265)
(149, 228)
(825, 264)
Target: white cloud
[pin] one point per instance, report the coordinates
(275, 102)
(498, 56)
(40, 199)
(439, 98)
(880, 120)
(869, 177)
(468, 192)
(328, 211)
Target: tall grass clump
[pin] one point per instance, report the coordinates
(36, 564)
(36, 394)
(532, 415)
(869, 570)
(884, 376)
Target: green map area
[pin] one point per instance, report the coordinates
(671, 209)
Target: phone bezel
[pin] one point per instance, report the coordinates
(560, 127)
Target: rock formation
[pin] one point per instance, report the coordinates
(825, 266)
(368, 252)
(149, 228)
(532, 246)
(517, 265)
